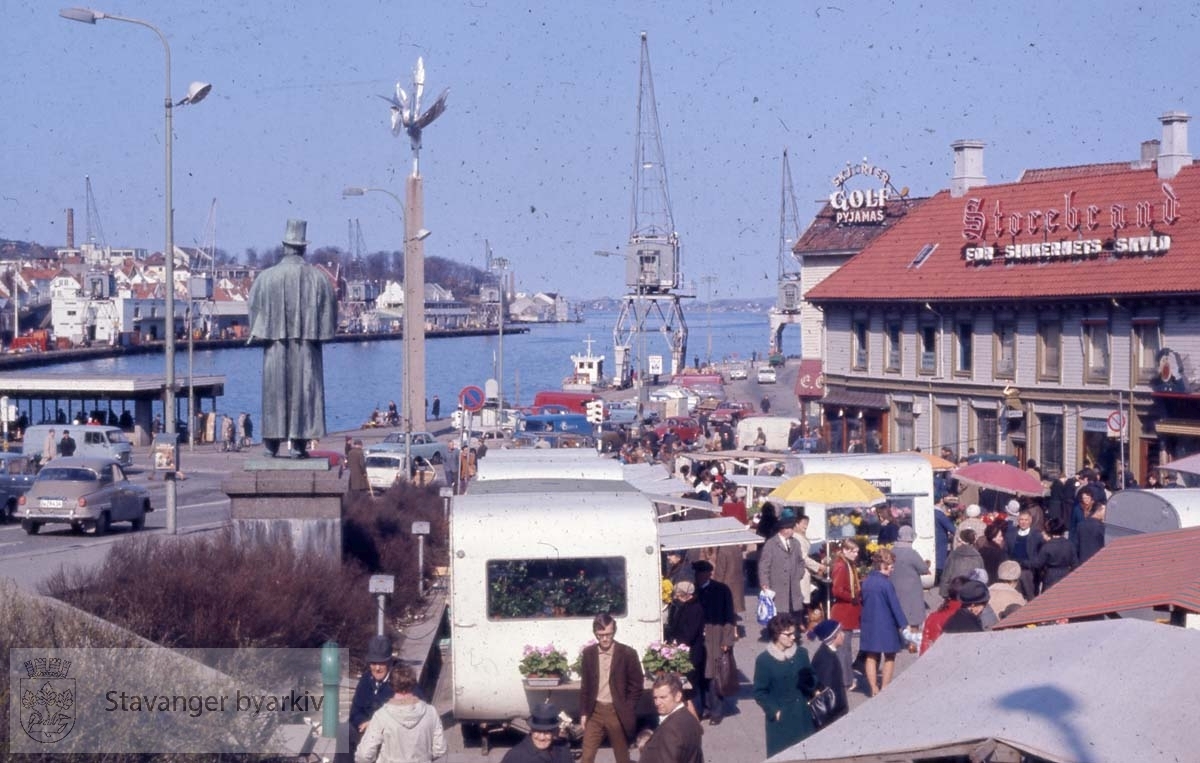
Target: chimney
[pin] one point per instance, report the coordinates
(968, 166)
(1173, 155)
(1149, 154)
(70, 227)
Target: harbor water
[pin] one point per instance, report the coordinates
(362, 376)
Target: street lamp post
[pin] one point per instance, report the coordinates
(501, 264)
(196, 93)
(406, 369)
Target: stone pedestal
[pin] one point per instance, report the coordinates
(298, 502)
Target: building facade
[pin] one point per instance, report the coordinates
(1055, 318)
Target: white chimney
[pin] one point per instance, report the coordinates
(968, 166)
(1147, 156)
(1173, 154)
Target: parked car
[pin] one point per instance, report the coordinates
(730, 412)
(766, 375)
(336, 460)
(84, 492)
(17, 471)
(738, 371)
(687, 428)
(386, 468)
(423, 444)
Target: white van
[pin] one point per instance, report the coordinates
(533, 560)
(905, 478)
(92, 440)
(386, 468)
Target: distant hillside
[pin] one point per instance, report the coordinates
(12, 250)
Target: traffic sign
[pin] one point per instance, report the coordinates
(1116, 423)
(471, 398)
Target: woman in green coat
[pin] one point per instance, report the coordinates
(783, 682)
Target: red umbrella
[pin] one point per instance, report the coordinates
(997, 475)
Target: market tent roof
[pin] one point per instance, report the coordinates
(1134, 572)
(1060, 693)
(700, 533)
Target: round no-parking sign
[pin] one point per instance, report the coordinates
(1116, 422)
(471, 398)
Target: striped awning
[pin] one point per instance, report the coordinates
(1146, 571)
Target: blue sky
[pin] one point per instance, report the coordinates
(535, 152)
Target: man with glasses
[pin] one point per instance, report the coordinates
(610, 686)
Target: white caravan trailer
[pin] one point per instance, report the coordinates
(1150, 511)
(533, 561)
(905, 478)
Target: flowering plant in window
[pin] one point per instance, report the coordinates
(577, 665)
(667, 589)
(546, 660)
(662, 656)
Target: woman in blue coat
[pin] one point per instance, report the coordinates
(882, 620)
(783, 683)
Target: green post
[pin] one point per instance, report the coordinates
(331, 676)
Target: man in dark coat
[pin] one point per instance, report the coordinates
(678, 736)
(66, 446)
(356, 462)
(374, 687)
(293, 307)
(685, 626)
(1022, 544)
(543, 745)
(974, 597)
(1089, 535)
(720, 633)
(610, 685)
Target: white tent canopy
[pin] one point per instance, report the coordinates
(1084, 692)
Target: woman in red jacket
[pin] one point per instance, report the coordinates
(847, 602)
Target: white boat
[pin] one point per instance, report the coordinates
(589, 372)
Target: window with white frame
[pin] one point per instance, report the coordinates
(948, 428)
(1098, 361)
(859, 348)
(987, 431)
(929, 349)
(1147, 342)
(1050, 350)
(905, 432)
(1050, 442)
(1005, 350)
(893, 349)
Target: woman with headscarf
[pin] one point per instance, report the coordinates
(882, 620)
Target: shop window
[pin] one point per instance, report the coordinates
(1096, 369)
(905, 434)
(1147, 341)
(893, 348)
(987, 431)
(1050, 351)
(1005, 350)
(1050, 442)
(860, 345)
(545, 588)
(964, 349)
(929, 349)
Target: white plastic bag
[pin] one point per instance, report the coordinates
(766, 606)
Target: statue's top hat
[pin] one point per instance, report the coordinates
(296, 230)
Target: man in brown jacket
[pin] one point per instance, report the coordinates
(610, 686)
(678, 737)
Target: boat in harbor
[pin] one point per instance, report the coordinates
(588, 373)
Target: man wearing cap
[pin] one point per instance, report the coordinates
(373, 688)
(1003, 592)
(782, 573)
(610, 685)
(678, 736)
(974, 597)
(720, 633)
(293, 307)
(543, 745)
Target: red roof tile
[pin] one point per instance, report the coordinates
(1135, 572)
(824, 235)
(1043, 174)
(885, 270)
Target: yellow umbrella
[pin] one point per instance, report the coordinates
(938, 463)
(832, 490)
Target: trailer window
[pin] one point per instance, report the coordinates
(542, 588)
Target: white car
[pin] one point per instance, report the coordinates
(738, 372)
(766, 375)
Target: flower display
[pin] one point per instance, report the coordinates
(662, 656)
(667, 589)
(546, 660)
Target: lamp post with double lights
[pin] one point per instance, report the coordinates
(196, 93)
(407, 369)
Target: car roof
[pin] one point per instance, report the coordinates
(87, 462)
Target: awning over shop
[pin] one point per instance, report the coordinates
(856, 399)
(1057, 692)
(1178, 427)
(700, 533)
(1136, 572)
(810, 379)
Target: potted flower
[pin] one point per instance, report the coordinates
(543, 665)
(664, 657)
(577, 665)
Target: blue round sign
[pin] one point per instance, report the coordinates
(471, 398)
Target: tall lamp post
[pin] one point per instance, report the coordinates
(196, 93)
(406, 375)
(501, 264)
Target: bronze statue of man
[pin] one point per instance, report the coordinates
(292, 307)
